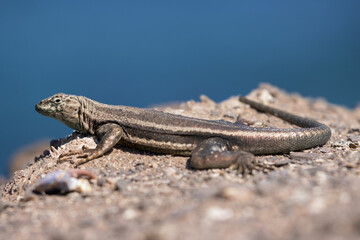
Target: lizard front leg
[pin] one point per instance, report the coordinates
(109, 134)
(216, 153)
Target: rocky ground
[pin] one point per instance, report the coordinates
(312, 194)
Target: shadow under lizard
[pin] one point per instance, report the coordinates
(210, 144)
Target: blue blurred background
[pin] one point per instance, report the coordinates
(141, 53)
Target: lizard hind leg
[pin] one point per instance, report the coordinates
(216, 153)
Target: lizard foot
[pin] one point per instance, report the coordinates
(215, 153)
(82, 156)
(246, 163)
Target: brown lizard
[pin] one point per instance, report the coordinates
(210, 144)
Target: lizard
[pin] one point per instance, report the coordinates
(208, 143)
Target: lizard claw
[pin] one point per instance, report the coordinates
(75, 152)
(246, 165)
(83, 156)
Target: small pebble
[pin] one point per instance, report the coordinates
(170, 171)
(266, 97)
(130, 214)
(354, 130)
(281, 163)
(206, 99)
(354, 138)
(216, 213)
(236, 193)
(352, 145)
(340, 143)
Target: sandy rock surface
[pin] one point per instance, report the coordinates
(312, 194)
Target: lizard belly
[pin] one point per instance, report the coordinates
(160, 142)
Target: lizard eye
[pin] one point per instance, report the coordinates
(57, 100)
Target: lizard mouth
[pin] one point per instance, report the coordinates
(40, 108)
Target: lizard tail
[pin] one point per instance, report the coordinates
(319, 133)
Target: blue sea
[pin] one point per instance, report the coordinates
(142, 53)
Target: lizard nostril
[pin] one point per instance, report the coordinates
(37, 106)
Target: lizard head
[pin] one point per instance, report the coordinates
(62, 107)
